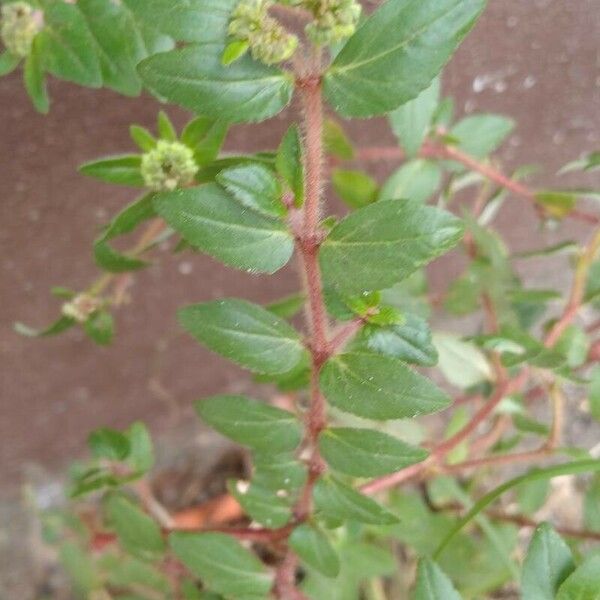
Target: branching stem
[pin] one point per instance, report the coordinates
(439, 150)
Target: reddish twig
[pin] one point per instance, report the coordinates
(447, 152)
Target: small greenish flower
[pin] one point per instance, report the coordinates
(269, 42)
(334, 20)
(81, 308)
(19, 24)
(168, 166)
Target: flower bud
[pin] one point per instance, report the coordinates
(168, 166)
(19, 24)
(334, 20)
(268, 40)
(81, 308)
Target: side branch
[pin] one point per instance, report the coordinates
(446, 152)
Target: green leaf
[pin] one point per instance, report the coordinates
(547, 564)
(293, 380)
(165, 126)
(480, 135)
(100, 327)
(462, 363)
(590, 162)
(381, 244)
(416, 180)
(412, 121)
(336, 141)
(290, 163)
(245, 333)
(584, 583)
(574, 345)
(313, 547)
(195, 78)
(336, 500)
(223, 564)
(8, 63)
(594, 392)
(126, 221)
(251, 423)
(34, 79)
(80, 568)
(568, 248)
(378, 387)
(592, 289)
(60, 325)
(355, 188)
(210, 219)
(557, 204)
(433, 583)
(359, 562)
(572, 468)
(186, 20)
(254, 186)
(396, 53)
(261, 504)
(205, 137)
(141, 451)
(154, 40)
(591, 505)
(533, 495)
(287, 307)
(68, 47)
(142, 137)
(132, 573)
(137, 532)
(527, 425)
(234, 50)
(278, 472)
(190, 591)
(92, 480)
(444, 115)
(120, 43)
(122, 170)
(409, 342)
(516, 346)
(366, 452)
(109, 444)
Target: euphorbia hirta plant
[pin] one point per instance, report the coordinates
(348, 489)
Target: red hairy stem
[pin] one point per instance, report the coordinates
(489, 172)
(308, 239)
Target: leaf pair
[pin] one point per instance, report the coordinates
(392, 57)
(371, 249)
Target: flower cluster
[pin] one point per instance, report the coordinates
(81, 308)
(268, 41)
(19, 24)
(334, 20)
(168, 166)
